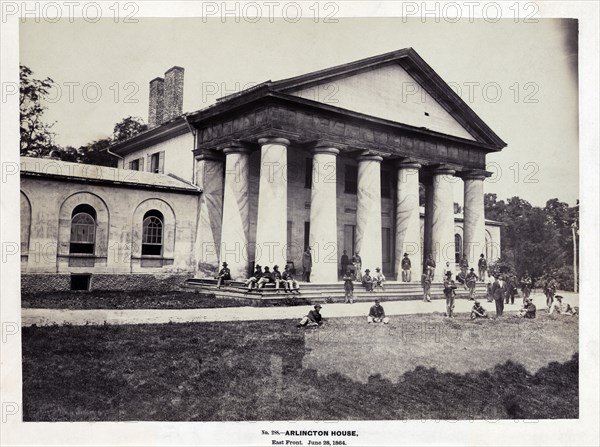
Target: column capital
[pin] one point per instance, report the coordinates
(443, 170)
(325, 149)
(408, 163)
(369, 156)
(475, 174)
(237, 147)
(207, 154)
(274, 140)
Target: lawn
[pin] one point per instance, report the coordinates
(417, 367)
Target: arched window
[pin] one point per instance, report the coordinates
(457, 248)
(83, 230)
(152, 236)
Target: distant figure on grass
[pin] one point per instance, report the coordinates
(549, 290)
(471, 282)
(498, 292)
(449, 293)
(357, 262)
(253, 280)
(528, 310)
(313, 318)
(482, 266)
(267, 278)
(526, 286)
(430, 262)
(464, 265)
(290, 284)
(477, 311)
(349, 287)
(367, 281)
(378, 279)
(377, 314)
(561, 307)
(344, 262)
(224, 275)
(426, 284)
(306, 264)
(405, 268)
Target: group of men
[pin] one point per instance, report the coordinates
(261, 277)
(314, 317)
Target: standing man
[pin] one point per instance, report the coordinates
(471, 282)
(344, 261)
(549, 291)
(464, 265)
(405, 268)
(306, 264)
(498, 291)
(430, 262)
(482, 265)
(349, 287)
(490, 284)
(426, 283)
(526, 287)
(449, 287)
(357, 261)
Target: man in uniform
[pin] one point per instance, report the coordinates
(477, 311)
(426, 284)
(471, 283)
(449, 288)
(349, 287)
(406, 268)
(313, 318)
(482, 265)
(528, 310)
(377, 314)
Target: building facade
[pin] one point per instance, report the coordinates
(361, 158)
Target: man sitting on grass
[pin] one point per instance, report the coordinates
(477, 311)
(313, 318)
(528, 310)
(562, 308)
(377, 314)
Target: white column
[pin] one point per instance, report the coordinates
(234, 229)
(323, 215)
(442, 227)
(271, 223)
(368, 212)
(474, 218)
(408, 220)
(209, 177)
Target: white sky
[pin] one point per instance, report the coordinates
(524, 62)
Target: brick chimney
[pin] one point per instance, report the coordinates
(156, 108)
(173, 91)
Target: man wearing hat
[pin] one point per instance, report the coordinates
(477, 311)
(426, 284)
(471, 282)
(482, 265)
(377, 314)
(405, 268)
(378, 279)
(561, 307)
(367, 281)
(267, 278)
(250, 282)
(277, 278)
(313, 318)
(224, 275)
(306, 264)
(449, 288)
(528, 310)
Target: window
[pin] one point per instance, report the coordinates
(83, 230)
(386, 184)
(308, 168)
(350, 179)
(80, 282)
(134, 165)
(156, 162)
(306, 235)
(152, 234)
(457, 248)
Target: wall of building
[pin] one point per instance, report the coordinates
(178, 158)
(117, 250)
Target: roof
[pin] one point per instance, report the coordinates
(57, 169)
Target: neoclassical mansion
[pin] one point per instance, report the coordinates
(335, 159)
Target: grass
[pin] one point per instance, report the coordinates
(417, 367)
(124, 300)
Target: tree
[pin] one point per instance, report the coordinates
(37, 139)
(127, 128)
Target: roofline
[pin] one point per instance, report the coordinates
(116, 183)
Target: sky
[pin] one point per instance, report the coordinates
(520, 78)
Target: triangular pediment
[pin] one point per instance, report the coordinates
(398, 87)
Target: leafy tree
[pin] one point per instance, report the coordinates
(128, 127)
(37, 138)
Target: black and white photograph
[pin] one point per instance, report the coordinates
(299, 223)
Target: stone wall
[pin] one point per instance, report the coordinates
(33, 283)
